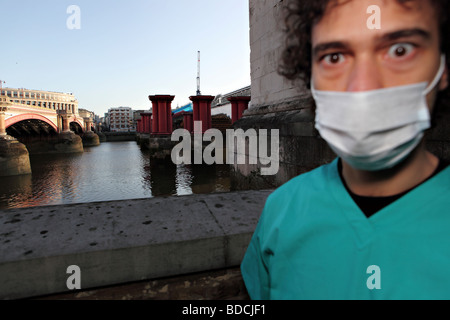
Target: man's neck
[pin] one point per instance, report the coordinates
(419, 166)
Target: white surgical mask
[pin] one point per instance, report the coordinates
(375, 130)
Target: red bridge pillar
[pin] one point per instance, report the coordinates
(188, 121)
(146, 122)
(238, 106)
(202, 110)
(162, 114)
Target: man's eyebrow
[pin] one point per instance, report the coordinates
(335, 45)
(405, 34)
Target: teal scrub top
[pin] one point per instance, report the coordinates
(313, 242)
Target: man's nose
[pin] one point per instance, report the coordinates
(364, 76)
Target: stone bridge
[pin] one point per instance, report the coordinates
(19, 119)
(39, 122)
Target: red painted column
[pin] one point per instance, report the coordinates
(238, 106)
(142, 123)
(162, 114)
(149, 123)
(188, 121)
(146, 122)
(162, 120)
(202, 110)
(139, 123)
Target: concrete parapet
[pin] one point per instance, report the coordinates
(213, 285)
(123, 241)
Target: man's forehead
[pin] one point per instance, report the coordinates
(348, 19)
(332, 5)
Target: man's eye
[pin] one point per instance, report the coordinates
(400, 50)
(334, 58)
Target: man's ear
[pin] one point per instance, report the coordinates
(444, 80)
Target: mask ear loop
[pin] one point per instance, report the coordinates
(438, 77)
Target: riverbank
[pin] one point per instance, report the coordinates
(119, 136)
(120, 242)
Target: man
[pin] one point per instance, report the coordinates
(375, 223)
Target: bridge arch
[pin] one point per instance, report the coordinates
(29, 116)
(76, 126)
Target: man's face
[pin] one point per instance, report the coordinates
(348, 56)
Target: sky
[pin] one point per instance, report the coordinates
(117, 53)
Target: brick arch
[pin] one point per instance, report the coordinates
(29, 116)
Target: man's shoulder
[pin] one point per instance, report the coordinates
(304, 185)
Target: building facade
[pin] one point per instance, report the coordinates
(43, 99)
(121, 120)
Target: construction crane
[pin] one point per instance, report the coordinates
(198, 75)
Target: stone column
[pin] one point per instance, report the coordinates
(67, 141)
(202, 110)
(90, 138)
(88, 124)
(14, 157)
(66, 123)
(3, 121)
(238, 106)
(162, 114)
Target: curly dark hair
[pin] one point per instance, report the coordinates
(302, 15)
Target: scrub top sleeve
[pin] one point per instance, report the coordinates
(253, 268)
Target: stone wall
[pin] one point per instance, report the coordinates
(226, 284)
(119, 136)
(268, 88)
(277, 103)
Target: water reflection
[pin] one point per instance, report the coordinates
(184, 179)
(112, 171)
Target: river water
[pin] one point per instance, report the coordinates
(111, 171)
